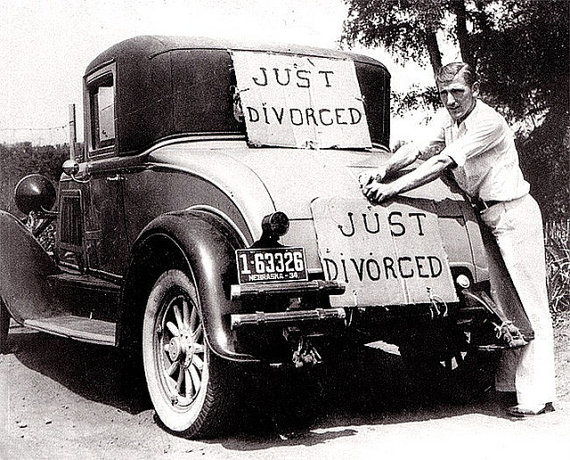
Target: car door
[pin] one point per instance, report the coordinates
(106, 244)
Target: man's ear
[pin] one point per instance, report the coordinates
(475, 89)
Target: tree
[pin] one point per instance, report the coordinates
(520, 50)
(19, 160)
(406, 28)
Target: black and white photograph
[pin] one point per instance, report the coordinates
(261, 229)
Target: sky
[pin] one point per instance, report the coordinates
(45, 47)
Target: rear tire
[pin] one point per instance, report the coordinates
(188, 384)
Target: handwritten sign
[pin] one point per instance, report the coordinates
(387, 255)
(300, 101)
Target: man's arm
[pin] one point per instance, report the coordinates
(403, 157)
(424, 173)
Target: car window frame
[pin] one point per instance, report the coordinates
(92, 82)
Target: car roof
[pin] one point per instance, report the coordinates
(149, 46)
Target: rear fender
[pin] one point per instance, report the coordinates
(204, 245)
(24, 268)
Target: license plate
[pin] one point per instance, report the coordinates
(271, 265)
(385, 254)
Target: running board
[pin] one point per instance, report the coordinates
(77, 328)
(84, 282)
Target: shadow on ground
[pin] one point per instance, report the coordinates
(97, 373)
(371, 387)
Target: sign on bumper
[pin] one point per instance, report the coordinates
(386, 254)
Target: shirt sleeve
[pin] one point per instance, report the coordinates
(481, 135)
(431, 140)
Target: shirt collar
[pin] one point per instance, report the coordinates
(468, 120)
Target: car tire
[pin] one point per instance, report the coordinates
(4, 327)
(187, 383)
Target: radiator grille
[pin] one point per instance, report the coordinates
(70, 215)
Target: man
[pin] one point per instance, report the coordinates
(475, 143)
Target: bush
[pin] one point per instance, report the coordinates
(558, 265)
(19, 160)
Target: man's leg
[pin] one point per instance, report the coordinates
(517, 226)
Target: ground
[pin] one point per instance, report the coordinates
(64, 399)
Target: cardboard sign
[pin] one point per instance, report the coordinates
(300, 101)
(387, 255)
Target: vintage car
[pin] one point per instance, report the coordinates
(214, 221)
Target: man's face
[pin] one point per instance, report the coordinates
(457, 96)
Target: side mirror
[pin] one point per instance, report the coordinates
(34, 193)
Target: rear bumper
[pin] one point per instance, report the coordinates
(364, 317)
(286, 289)
(297, 288)
(287, 318)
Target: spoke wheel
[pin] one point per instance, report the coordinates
(186, 384)
(4, 327)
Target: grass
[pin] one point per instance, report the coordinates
(558, 265)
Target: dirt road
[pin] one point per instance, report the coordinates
(63, 399)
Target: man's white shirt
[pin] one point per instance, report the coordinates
(483, 149)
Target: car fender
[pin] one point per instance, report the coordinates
(24, 270)
(204, 245)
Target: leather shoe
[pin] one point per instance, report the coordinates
(521, 411)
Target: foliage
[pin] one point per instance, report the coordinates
(403, 27)
(415, 99)
(19, 160)
(533, 34)
(544, 159)
(558, 265)
(521, 52)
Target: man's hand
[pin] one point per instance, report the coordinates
(372, 187)
(377, 192)
(368, 177)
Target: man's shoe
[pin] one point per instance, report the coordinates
(521, 411)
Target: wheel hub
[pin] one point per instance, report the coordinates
(181, 349)
(174, 349)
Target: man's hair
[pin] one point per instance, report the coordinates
(449, 71)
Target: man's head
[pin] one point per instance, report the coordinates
(458, 89)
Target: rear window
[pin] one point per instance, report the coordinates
(209, 98)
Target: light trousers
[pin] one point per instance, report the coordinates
(518, 231)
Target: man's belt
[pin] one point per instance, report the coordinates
(481, 205)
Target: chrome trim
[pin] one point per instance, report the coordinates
(118, 279)
(69, 265)
(197, 137)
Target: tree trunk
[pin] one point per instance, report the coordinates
(434, 52)
(467, 55)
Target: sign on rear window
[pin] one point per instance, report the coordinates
(300, 101)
